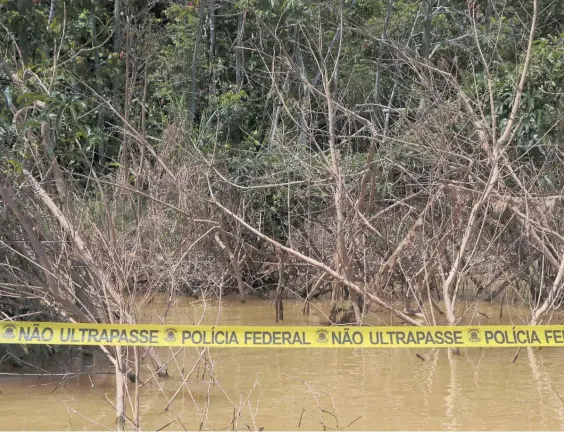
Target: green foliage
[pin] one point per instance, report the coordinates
(541, 107)
(273, 204)
(232, 123)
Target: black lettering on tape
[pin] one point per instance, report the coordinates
(488, 335)
(186, 336)
(556, 336)
(135, 335)
(449, 337)
(71, 336)
(197, 337)
(357, 338)
(256, 338)
(400, 337)
(379, 338)
(47, 334)
(267, 338)
(35, 334)
(513, 337)
(421, 336)
(336, 338)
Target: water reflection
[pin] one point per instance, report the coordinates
(280, 389)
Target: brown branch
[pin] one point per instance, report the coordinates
(313, 262)
(517, 100)
(224, 245)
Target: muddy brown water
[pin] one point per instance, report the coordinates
(304, 389)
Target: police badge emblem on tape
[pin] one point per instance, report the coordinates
(474, 335)
(9, 331)
(322, 336)
(171, 334)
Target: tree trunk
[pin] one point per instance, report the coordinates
(553, 294)
(381, 50)
(52, 10)
(239, 50)
(126, 105)
(224, 244)
(276, 110)
(49, 149)
(212, 19)
(425, 47)
(194, 95)
(121, 384)
(278, 303)
(22, 31)
(117, 26)
(305, 101)
(338, 186)
(93, 34)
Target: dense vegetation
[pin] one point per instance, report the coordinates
(363, 134)
(375, 151)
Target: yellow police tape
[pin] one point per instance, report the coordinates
(280, 336)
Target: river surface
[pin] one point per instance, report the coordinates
(302, 389)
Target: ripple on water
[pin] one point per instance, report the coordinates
(274, 388)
